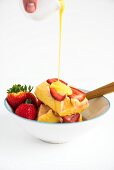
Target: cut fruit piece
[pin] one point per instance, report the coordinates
(54, 80)
(61, 88)
(81, 118)
(78, 94)
(49, 117)
(57, 96)
(71, 118)
(43, 109)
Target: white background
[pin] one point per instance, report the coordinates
(28, 55)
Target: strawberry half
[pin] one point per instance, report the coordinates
(56, 95)
(54, 80)
(78, 94)
(27, 111)
(71, 118)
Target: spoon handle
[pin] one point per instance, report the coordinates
(109, 88)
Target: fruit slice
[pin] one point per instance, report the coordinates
(61, 88)
(49, 117)
(43, 109)
(78, 94)
(54, 80)
(72, 118)
(57, 96)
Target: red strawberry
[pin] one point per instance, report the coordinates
(54, 80)
(78, 94)
(16, 96)
(56, 95)
(39, 102)
(71, 118)
(33, 99)
(27, 111)
(15, 99)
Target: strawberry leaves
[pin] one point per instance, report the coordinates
(18, 88)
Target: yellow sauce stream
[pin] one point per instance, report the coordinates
(60, 33)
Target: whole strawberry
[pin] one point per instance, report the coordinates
(26, 110)
(33, 99)
(18, 94)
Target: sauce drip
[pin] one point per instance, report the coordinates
(60, 34)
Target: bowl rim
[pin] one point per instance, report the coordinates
(8, 108)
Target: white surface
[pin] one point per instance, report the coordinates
(28, 53)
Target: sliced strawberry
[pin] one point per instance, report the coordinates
(71, 118)
(56, 95)
(78, 94)
(27, 111)
(33, 99)
(54, 80)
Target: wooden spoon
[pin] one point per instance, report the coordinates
(109, 88)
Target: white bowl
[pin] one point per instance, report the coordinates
(63, 132)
